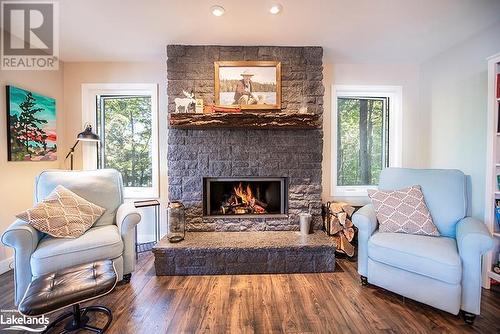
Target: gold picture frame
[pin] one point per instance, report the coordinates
(252, 85)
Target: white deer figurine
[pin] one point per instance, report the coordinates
(184, 102)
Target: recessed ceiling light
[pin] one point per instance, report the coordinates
(275, 9)
(217, 10)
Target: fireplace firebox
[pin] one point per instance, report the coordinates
(245, 196)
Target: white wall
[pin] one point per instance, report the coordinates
(17, 178)
(454, 91)
(415, 121)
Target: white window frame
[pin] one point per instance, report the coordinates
(394, 93)
(89, 116)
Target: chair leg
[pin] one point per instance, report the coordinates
(469, 318)
(364, 280)
(126, 278)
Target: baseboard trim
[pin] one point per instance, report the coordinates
(5, 265)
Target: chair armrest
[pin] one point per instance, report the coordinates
(24, 239)
(366, 222)
(473, 237)
(21, 234)
(473, 240)
(127, 218)
(365, 219)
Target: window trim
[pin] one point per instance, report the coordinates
(89, 115)
(394, 93)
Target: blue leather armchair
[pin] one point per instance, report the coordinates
(445, 271)
(111, 237)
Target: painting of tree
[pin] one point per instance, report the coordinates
(31, 126)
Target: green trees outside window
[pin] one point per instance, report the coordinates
(362, 140)
(124, 125)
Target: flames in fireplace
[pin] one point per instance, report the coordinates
(243, 201)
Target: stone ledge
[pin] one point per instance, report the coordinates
(219, 253)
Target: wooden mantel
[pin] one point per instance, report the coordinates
(245, 119)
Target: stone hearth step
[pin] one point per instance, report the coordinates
(226, 253)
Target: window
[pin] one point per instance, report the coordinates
(367, 137)
(125, 118)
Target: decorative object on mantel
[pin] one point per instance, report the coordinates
(337, 223)
(184, 102)
(249, 120)
(199, 106)
(176, 221)
(248, 84)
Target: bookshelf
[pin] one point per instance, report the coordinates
(492, 169)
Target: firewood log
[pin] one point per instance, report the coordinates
(342, 217)
(349, 233)
(260, 203)
(348, 209)
(335, 226)
(345, 245)
(348, 223)
(336, 207)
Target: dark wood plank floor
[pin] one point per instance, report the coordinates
(297, 303)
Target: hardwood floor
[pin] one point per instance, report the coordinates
(295, 303)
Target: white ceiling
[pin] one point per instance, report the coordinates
(373, 31)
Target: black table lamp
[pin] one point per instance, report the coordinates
(86, 135)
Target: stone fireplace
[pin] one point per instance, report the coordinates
(196, 156)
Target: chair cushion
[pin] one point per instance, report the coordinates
(63, 214)
(69, 286)
(434, 257)
(98, 243)
(445, 193)
(102, 187)
(402, 211)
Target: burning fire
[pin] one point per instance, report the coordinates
(243, 201)
(245, 194)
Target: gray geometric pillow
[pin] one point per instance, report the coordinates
(403, 211)
(63, 214)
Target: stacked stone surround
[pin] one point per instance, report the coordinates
(296, 154)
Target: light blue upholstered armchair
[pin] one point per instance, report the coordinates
(111, 237)
(445, 271)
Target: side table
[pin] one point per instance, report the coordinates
(147, 246)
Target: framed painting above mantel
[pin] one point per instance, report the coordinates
(253, 85)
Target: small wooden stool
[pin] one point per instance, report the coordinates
(70, 287)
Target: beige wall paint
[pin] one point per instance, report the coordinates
(78, 73)
(415, 121)
(17, 178)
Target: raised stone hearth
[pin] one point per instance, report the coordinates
(219, 253)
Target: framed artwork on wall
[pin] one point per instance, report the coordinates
(248, 84)
(31, 126)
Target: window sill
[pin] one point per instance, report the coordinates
(354, 191)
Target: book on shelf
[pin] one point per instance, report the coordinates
(497, 210)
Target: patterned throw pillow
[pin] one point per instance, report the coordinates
(403, 211)
(63, 214)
